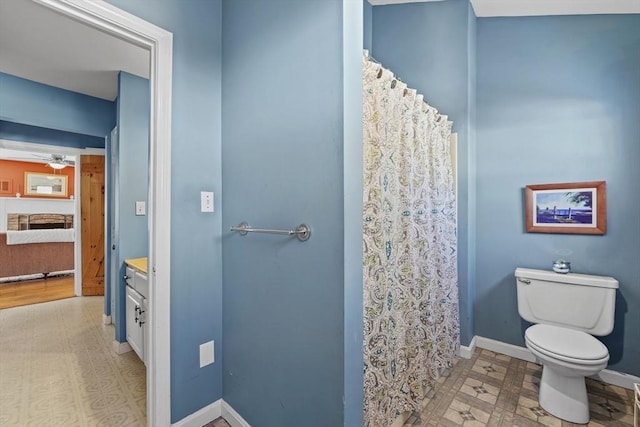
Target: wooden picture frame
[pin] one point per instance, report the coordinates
(45, 185)
(568, 208)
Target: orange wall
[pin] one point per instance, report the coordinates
(14, 171)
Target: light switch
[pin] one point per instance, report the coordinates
(206, 201)
(141, 208)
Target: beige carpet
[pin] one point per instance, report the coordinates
(57, 368)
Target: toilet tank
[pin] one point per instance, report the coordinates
(576, 301)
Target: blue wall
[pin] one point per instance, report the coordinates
(282, 165)
(25, 133)
(367, 29)
(26, 102)
(196, 270)
(430, 46)
(133, 181)
(558, 101)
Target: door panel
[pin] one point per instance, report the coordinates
(92, 213)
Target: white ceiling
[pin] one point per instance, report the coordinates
(40, 45)
(30, 156)
(488, 8)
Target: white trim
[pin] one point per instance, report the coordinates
(77, 219)
(121, 347)
(202, 416)
(217, 409)
(608, 376)
(518, 352)
(111, 20)
(46, 148)
(106, 320)
(232, 417)
(467, 351)
(616, 378)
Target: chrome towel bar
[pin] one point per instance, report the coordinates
(302, 232)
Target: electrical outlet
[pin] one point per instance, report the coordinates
(206, 354)
(206, 201)
(141, 208)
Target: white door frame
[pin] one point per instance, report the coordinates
(159, 42)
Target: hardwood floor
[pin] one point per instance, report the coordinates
(35, 291)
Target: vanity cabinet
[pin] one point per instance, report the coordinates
(136, 306)
(135, 309)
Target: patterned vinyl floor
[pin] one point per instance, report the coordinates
(492, 389)
(495, 390)
(57, 368)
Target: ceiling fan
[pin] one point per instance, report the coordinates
(55, 161)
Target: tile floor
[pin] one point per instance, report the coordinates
(57, 368)
(218, 422)
(492, 389)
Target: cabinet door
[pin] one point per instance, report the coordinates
(145, 335)
(135, 331)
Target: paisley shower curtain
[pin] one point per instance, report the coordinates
(411, 323)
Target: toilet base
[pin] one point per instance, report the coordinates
(564, 396)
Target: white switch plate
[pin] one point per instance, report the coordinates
(206, 201)
(206, 354)
(141, 208)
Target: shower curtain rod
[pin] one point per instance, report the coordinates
(367, 54)
(369, 57)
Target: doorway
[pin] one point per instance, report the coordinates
(46, 269)
(103, 17)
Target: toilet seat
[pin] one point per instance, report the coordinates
(566, 344)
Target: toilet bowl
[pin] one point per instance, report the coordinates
(567, 357)
(561, 338)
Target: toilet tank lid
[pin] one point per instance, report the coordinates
(572, 278)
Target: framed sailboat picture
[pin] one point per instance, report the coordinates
(569, 208)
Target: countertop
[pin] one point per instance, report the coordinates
(137, 263)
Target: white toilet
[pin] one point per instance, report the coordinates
(567, 310)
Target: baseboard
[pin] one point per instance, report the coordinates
(467, 351)
(617, 378)
(232, 417)
(121, 347)
(106, 320)
(608, 376)
(201, 417)
(217, 409)
(38, 276)
(516, 351)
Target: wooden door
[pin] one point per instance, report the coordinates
(92, 213)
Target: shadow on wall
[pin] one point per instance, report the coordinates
(500, 324)
(615, 340)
